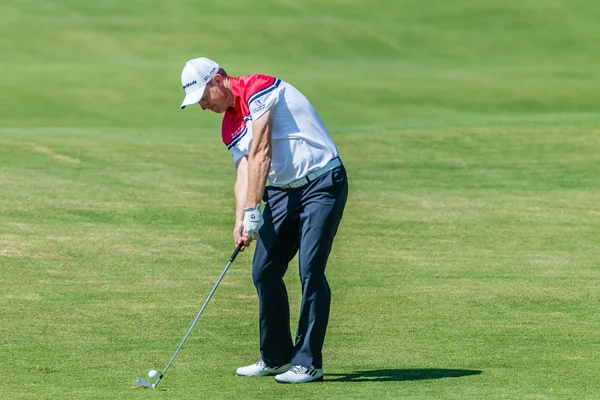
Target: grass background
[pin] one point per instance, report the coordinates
(466, 266)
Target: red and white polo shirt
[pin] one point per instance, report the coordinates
(299, 140)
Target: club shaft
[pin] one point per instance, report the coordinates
(235, 253)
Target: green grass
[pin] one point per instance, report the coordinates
(466, 266)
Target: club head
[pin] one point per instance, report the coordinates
(144, 383)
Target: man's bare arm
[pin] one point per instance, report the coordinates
(259, 158)
(240, 190)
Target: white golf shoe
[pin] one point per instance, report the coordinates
(259, 368)
(300, 374)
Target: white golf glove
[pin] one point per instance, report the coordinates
(253, 220)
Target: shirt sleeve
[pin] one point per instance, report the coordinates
(265, 95)
(236, 154)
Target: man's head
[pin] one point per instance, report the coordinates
(207, 84)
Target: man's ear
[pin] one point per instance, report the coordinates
(217, 80)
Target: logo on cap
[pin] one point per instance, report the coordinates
(209, 75)
(187, 85)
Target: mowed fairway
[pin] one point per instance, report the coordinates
(466, 266)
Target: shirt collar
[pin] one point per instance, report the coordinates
(237, 88)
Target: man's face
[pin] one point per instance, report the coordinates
(215, 96)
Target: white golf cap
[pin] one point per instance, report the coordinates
(194, 77)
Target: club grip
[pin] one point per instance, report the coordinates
(236, 251)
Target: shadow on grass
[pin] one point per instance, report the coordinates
(396, 375)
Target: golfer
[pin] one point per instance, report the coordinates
(273, 132)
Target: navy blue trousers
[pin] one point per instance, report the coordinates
(303, 220)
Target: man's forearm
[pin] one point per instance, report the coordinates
(241, 188)
(259, 159)
(258, 170)
(240, 199)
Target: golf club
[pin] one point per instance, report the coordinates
(144, 383)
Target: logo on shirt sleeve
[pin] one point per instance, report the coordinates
(257, 106)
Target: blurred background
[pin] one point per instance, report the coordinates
(369, 65)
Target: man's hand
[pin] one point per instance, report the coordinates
(253, 220)
(239, 236)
